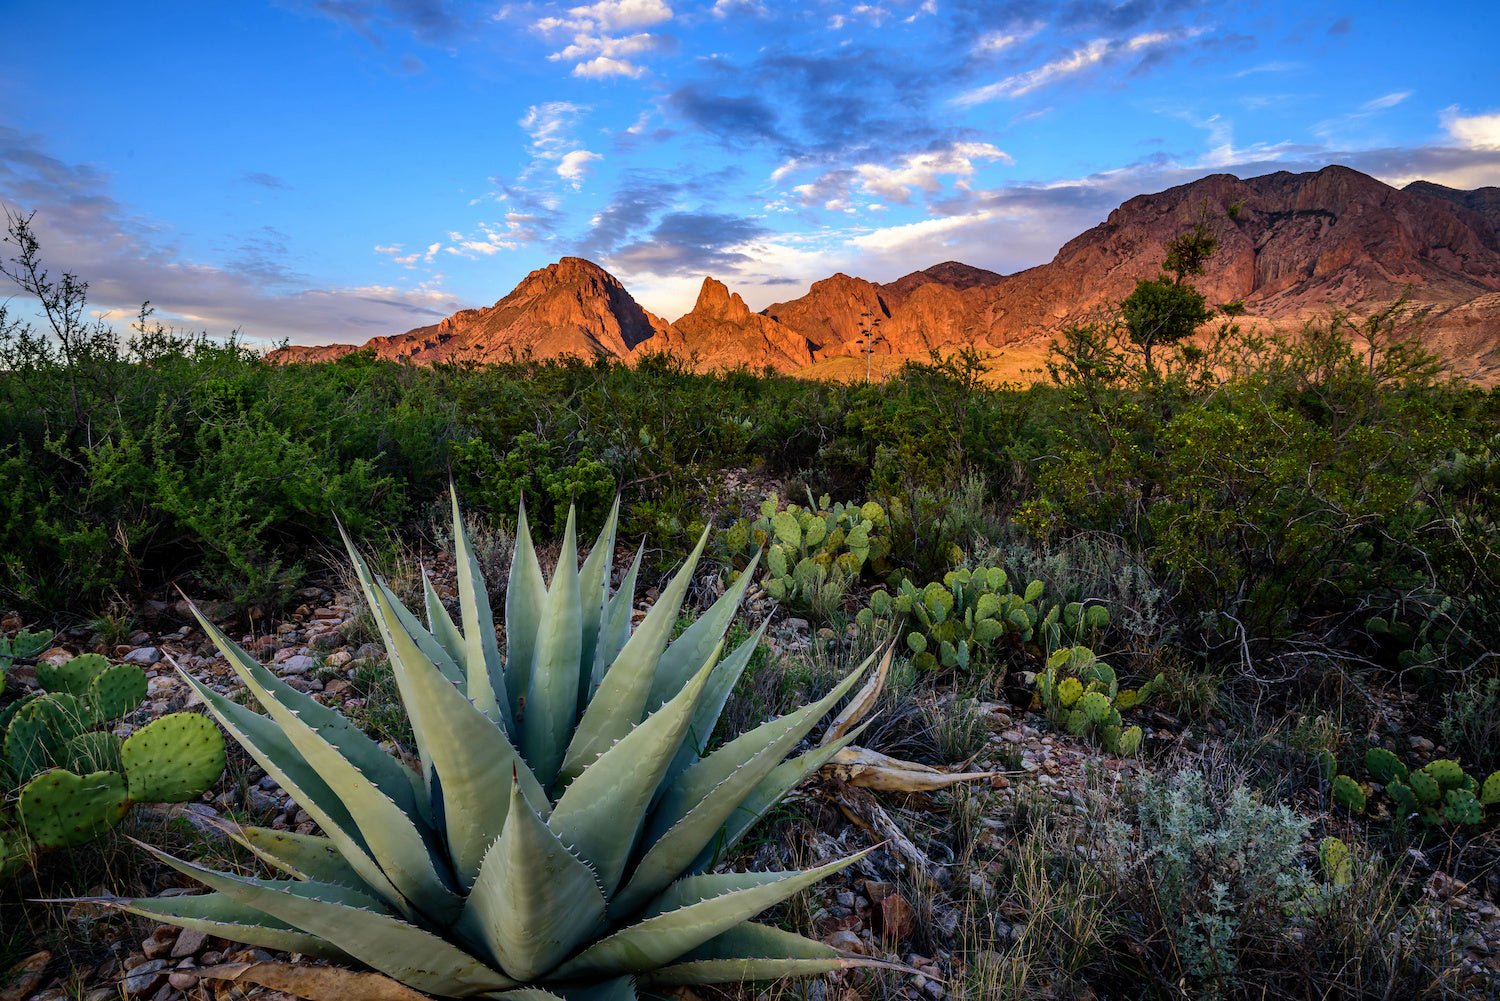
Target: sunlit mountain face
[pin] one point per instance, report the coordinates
(335, 171)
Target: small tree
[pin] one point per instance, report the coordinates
(1167, 309)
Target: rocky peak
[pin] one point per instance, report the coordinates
(716, 301)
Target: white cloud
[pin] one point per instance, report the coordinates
(602, 66)
(925, 171)
(548, 125)
(597, 45)
(787, 167)
(925, 233)
(617, 15)
(574, 166)
(1387, 101)
(993, 42)
(1473, 131)
(724, 8)
(1091, 54)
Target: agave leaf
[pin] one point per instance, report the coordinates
(371, 589)
(283, 762)
(614, 630)
(783, 779)
(618, 989)
(686, 653)
(441, 625)
(394, 779)
(755, 952)
(533, 902)
(720, 685)
(658, 940)
(405, 951)
(694, 785)
(601, 813)
(864, 700)
(305, 856)
(402, 848)
(482, 667)
(470, 755)
(621, 700)
(220, 914)
(552, 693)
(593, 591)
(689, 817)
(525, 597)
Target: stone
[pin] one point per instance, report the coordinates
(846, 941)
(144, 656)
(300, 664)
(160, 942)
(26, 976)
(189, 943)
(894, 918)
(143, 980)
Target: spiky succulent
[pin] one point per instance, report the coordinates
(556, 836)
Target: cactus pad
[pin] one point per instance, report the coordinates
(116, 691)
(60, 809)
(173, 759)
(72, 676)
(1333, 856)
(1448, 773)
(1403, 797)
(1384, 767)
(1130, 740)
(38, 731)
(1109, 736)
(1489, 793)
(1069, 691)
(1348, 794)
(1095, 705)
(1460, 807)
(1425, 787)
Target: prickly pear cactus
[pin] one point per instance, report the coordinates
(1349, 794)
(116, 691)
(1440, 792)
(77, 778)
(812, 553)
(1384, 767)
(1335, 861)
(22, 646)
(1489, 794)
(1082, 693)
(59, 809)
(173, 759)
(1448, 773)
(71, 676)
(973, 617)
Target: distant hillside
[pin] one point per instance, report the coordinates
(1291, 246)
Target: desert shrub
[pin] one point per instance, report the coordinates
(1470, 726)
(531, 470)
(1221, 870)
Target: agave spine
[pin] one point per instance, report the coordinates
(557, 835)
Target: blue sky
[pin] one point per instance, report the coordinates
(340, 169)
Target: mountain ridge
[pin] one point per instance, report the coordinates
(1290, 246)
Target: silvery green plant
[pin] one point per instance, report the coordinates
(556, 836)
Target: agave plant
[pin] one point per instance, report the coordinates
(555, 835)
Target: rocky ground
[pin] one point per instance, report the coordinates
(899, 904)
